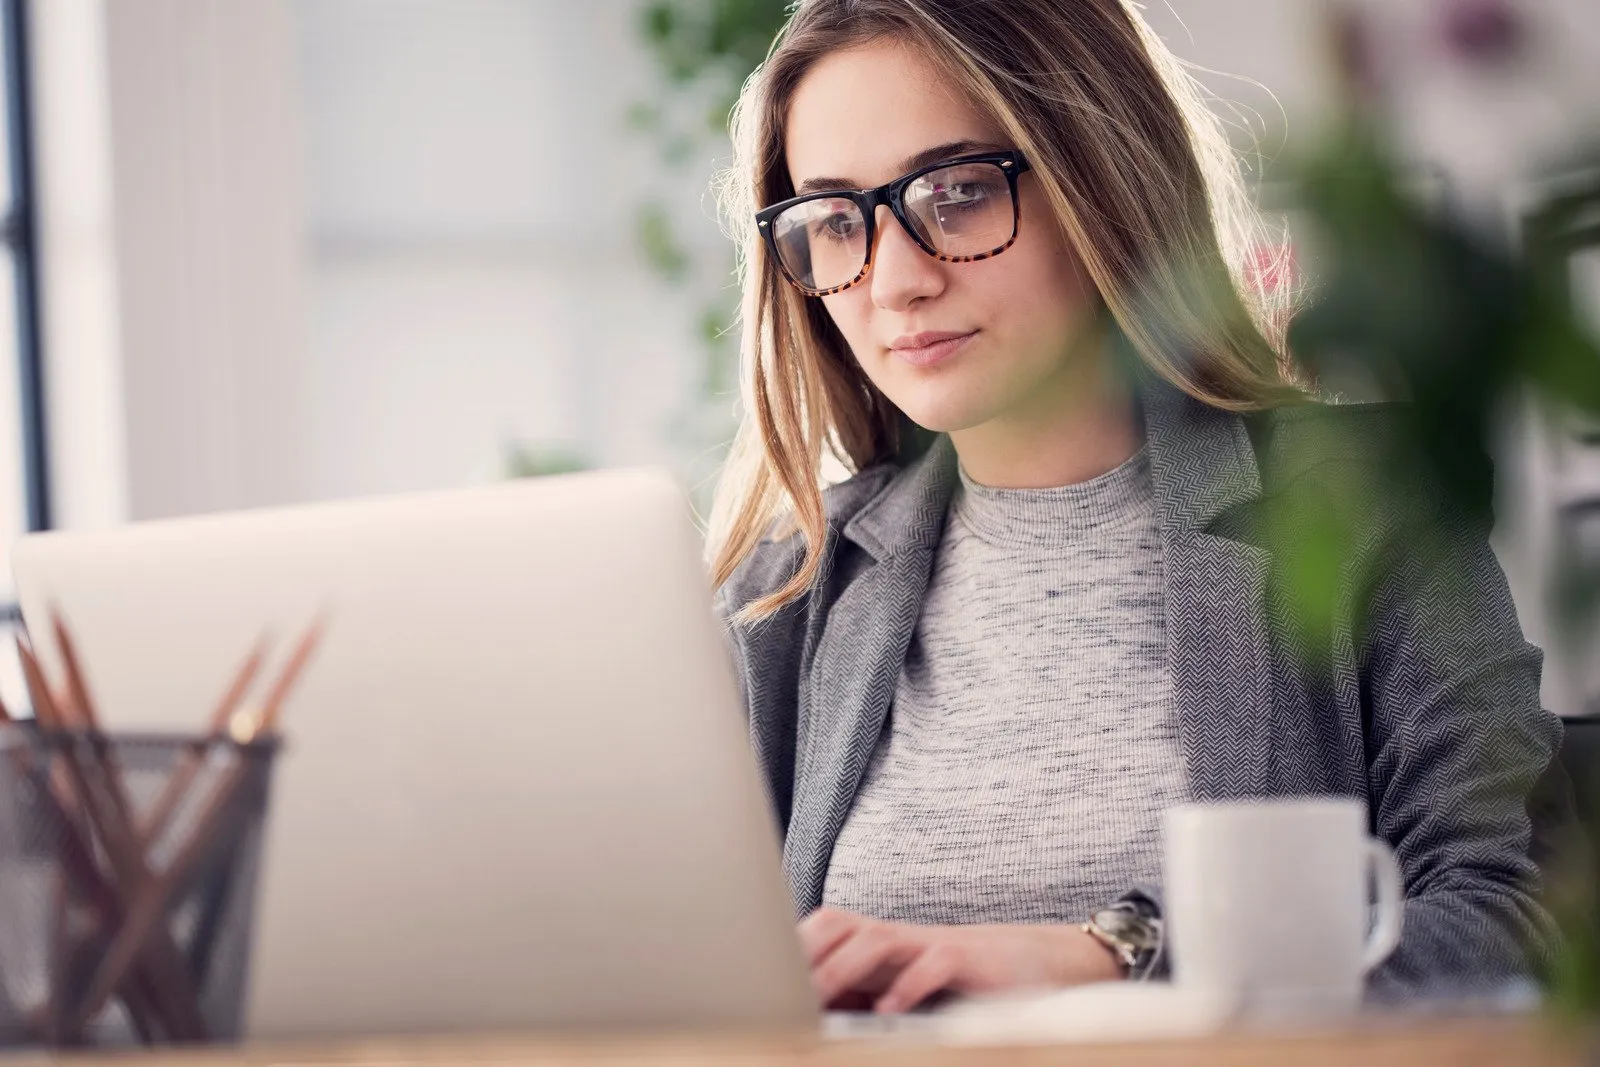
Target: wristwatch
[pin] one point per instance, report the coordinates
(1130, 933)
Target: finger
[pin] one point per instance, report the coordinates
(865, 962)
(934, 969)
(825, 930)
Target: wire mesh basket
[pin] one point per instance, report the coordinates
(128, 868)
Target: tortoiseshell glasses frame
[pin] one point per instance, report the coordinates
(892, 195)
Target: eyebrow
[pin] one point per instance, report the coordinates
(910, 163)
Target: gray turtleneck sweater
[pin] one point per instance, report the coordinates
(1033, 741)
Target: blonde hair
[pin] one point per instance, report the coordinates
(1138, 173)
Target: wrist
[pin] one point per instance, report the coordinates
(1104, 962)
(1073, 957)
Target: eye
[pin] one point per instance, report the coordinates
(838, 226)
(963, 196)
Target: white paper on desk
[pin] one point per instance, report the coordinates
(1109, 1011)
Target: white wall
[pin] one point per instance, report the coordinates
(474, 278)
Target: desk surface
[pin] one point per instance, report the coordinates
(1442, 1044)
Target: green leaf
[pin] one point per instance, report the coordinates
(713, 325)
(660, 245)
(702, 53)
(537, 461)
(644, 117)
(658, 21)
(678, 149)
(717, 114)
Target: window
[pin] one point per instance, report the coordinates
(24, 490)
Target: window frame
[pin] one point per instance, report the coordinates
(19, 235)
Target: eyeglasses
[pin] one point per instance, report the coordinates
(956, 211)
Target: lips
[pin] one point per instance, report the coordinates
(930, 347)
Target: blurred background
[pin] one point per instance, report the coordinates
(265, 251)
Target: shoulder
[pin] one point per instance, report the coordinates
(1374, 451)
(1356, 497)
(1295, 442)
(777, 555)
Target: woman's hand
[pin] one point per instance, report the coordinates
(857, 962)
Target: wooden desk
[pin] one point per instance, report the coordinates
(1437, 1044)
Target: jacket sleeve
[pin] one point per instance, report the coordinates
(1455, 742)
(764, 657)
(724, 609)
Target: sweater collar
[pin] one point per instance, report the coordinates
(1201, 461)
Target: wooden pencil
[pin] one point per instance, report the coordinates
(78, 862)
(151, 903)
(192, 759)
(170, 986)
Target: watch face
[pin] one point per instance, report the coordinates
(1128, 927)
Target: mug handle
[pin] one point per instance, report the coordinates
(1391, 905)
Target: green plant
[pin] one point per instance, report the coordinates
(703, 50)
(535, 461)
(1435, 306)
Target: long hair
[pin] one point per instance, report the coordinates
(1139, 176)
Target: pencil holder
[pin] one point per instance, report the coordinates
(128, 869)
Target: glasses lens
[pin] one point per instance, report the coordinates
(964, 210)
(822, 243)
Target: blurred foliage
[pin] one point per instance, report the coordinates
(534, 461)
(711, 43)
(703, 51)
(661, 248)
(1430, 302)
(1438, 313)
(1573, 979)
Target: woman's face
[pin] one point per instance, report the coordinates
(1012, 323)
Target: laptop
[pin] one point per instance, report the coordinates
(516, 791)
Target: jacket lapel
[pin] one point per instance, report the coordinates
(1219, 650)
(847, 686)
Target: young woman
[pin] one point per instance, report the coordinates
(993, 262)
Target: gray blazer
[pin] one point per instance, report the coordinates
(1429, 713)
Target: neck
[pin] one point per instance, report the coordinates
(1076, 428)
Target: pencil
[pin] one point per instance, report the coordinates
(170, 985)
(143, 916)
(193, 758)
(78, 857)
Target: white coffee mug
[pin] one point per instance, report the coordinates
(1269, 902)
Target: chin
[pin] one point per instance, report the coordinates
(942, 414)
(950, 398)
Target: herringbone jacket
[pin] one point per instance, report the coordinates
(1428, 710)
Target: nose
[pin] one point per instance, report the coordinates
(901, 272)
